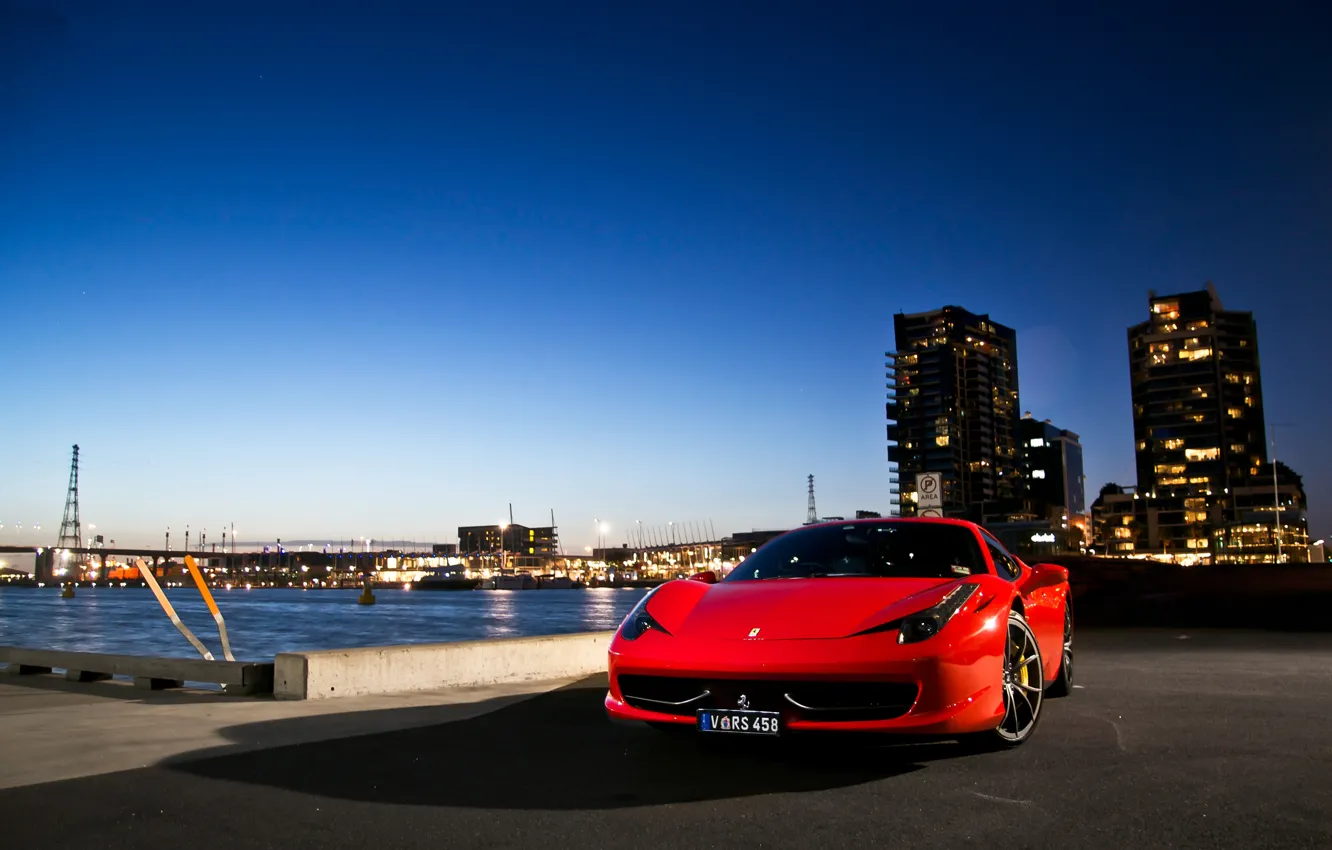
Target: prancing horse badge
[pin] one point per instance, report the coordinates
(753, 632)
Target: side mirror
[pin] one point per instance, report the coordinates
(707, 577)
(1048, 574)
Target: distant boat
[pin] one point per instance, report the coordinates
(517, 581)
(443, 582)
(558, 583)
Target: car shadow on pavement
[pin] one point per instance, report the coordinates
(554, 751)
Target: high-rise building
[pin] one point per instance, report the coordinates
(1052, 465)
(1197, 415)
(953, 407)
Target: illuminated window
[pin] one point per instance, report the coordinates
(1038, 473)
(1237, 448)
(1195, 417)
(941, 440)
(1199, 325)
(1248, 400)
(1037, 442)
(1196, 354)
(1202, 454)
(1170, 468)
(1166, 309)
(1142, 445)
(1235, 412)
(1232, 378)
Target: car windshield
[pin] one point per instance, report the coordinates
(879, 550)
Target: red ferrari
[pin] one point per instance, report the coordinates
(909, 626)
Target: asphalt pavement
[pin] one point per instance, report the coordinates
(1172, 739)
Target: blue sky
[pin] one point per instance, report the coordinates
(383, 270)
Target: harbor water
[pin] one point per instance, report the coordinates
(262, 623)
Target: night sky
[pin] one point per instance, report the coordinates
(380, 270)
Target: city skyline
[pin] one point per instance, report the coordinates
(590, 273)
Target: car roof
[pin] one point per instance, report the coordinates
(932, 520)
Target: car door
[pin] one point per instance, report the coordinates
(1042, 615)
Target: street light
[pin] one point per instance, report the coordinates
(1276, 490)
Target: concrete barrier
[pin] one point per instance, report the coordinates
(239, 677)
(333, 673)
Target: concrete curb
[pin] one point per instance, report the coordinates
(335, 673)
(239, 677)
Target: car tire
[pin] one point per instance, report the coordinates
(1062, 686)
(1023, 701)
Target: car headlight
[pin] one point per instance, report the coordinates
(640, 621)
(928, 623)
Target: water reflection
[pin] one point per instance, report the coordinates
(501, 611)
(262, 623)
(601, 604)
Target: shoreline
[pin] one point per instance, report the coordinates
(32, 584)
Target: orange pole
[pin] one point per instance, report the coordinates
(212, 606)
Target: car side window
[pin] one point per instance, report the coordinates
(1003, 562)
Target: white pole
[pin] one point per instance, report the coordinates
(1276, 497)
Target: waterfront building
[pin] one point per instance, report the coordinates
(521, 546)
(1268, 521)
(953, 408)
(1052, 472)
(1047, 513)
(1117, 517)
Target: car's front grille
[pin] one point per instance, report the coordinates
(797, 699)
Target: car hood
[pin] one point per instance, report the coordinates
(806, 609)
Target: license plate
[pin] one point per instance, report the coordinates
(739, 722)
